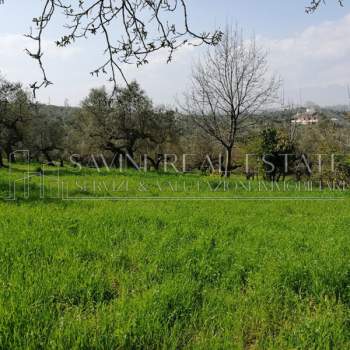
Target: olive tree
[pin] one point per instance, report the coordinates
(15, 114)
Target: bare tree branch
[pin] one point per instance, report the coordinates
(229, 86)
(143, 29)
(315, 4)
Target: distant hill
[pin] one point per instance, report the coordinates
(64, 112)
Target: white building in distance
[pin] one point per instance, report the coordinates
(308, 117)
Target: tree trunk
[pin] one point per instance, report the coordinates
(156, 162)
(10, 154)
(130, 153)
(228, 164)
(1, 161)
(48, 158)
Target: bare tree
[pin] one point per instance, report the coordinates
(132, 30)
(229, 86)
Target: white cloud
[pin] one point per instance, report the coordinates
(16, 65)
(316, 58)
(13, 44)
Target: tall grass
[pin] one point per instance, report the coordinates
(174, 274)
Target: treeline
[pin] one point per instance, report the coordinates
(129, 124)
(230, 109)
(126, 124)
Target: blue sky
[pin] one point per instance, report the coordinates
(310, 52)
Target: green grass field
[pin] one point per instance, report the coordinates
(171, 274)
